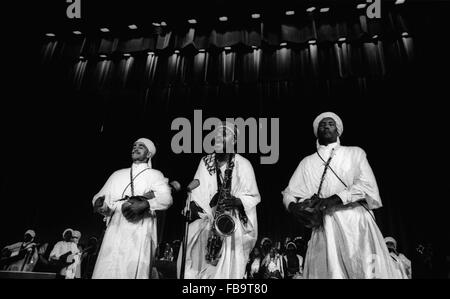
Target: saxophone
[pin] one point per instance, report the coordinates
(223, 225)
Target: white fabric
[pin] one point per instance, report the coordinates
(335, 117)
(236, 248)
(128, 249)
(349, 245)
(273, 264)
(61, 248)
(403, 265)
(255, 266)
(74, 270)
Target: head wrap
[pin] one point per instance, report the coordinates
(230, 127)
(151, 148)
(291, 244)
(298, 238)
(265, 239)
(67, 230)
(31, 232)
(76, 234)
(337, 119)
(390, 239)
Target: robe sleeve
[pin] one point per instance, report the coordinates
(106, 191)
(364, 185)
(14, 246)
(160, 187)
(200, 195)
(406, 263)
(56, 251)
(298, 186)
(248, 191)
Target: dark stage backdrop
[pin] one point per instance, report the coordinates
(76, 113)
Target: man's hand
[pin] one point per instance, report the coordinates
(325, 204)
(98, 204)
(309, 217)
(194, 210)
(149, 195)
(231, 203)
(134, 208)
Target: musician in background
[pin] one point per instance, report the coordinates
(128, 201)
(273, 266)
(266, 245)
(75, 269)
(167, 252)
(63, 255)
(333, 191)
(208, 254)
(21, 256)
(403, 263)
(254, 264)
(293, 262)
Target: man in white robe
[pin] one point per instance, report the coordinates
(402, 262)
(66, 254)
(348, 243)
(74, 270)
(129, 200)
(24, 254)
(235, 249)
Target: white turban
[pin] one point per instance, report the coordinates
(76, 234)
(151, 148)
(298, 238)
(390, 239)
(67, 230)
(337, 119)
(290, 243)
(31, 232)
(264, 240)
(230, 127)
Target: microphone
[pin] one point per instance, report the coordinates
(192, 185)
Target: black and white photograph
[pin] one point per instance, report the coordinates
(207, 142)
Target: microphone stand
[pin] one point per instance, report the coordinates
(186, 233)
